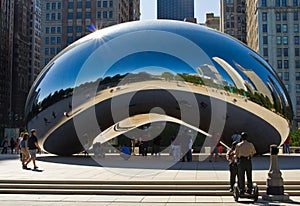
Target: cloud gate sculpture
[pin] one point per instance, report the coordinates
(134, 79)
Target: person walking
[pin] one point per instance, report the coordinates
(233, 168)
(24, 150)
(244, 152)
(286, 146)
(5, 146)
(12, 145)
(33, 146)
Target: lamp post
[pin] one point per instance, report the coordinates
(275, 187)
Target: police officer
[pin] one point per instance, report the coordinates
(244, 152)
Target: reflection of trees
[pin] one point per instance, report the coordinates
(260, 99)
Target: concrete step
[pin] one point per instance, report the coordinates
(201, 188)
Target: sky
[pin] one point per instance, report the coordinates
(148, 9)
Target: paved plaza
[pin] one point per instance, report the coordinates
(82, 168)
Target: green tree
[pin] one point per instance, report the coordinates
(295, 138)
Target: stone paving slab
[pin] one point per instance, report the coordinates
(84, 168)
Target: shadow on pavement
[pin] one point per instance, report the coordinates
(149, 162)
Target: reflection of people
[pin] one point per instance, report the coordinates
(175, 146)
(214, 143)
(244, 152)
(156, 146)
(125, 152)
(230, 156)
(286, 145)
(236, 137)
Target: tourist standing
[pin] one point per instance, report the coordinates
(24, 150)
(233, 168)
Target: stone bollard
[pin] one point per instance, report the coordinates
(275, 187)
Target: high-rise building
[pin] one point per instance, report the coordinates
(66, 21)
(19, 57)
(6, 51)
(273, 32)
(134, 10)
(175, 9)
(21, 62)
(233, 18)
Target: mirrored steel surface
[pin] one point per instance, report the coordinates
(111, 81)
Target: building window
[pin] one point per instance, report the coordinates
(264, 3)
(53, 29)
(58, 29)
(286, 64)
(278, 28)
(265, 28)
(279, 64)
(105, 4)
(53, 16)
(295, 2)
(111, 4)
(58, 5)
(280, 75)
(283, 2)
(285, 52)
(296, 27)
(70, 29)
(52, 51)
(286, 76)
(47, 6)
(88, 4)
(47, 40)
(78, 29)
(70, 39)
(284, 16)
(265, 52)
(70, 5)
(298, 88)
(58, 49)
(99, 14)
(46, 51)
(296, 16)
(278, 38)
(79, 4)
(70, 15)
(277, 3)
(279, 52)
(58, 16)
(53, 6)
(79, 15)
(47, 30)
(105, 14)
(111, 14)
(297, 64)
(265, 39)
(264, 16)
(88, 15)
(296, 40)
(52, 40)
(298, 100)
(278, 16)
(296, 52)
(297, 76)
(284, 28)
(99, 4)
(47, 17)
(285, 40)
(58, 40)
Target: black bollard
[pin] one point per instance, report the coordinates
(275, 186)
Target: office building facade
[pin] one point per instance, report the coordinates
(233, 18)
(273, 32)
(175, 9)
(212, 21)
(67, 21)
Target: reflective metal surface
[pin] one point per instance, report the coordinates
(123, 79)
